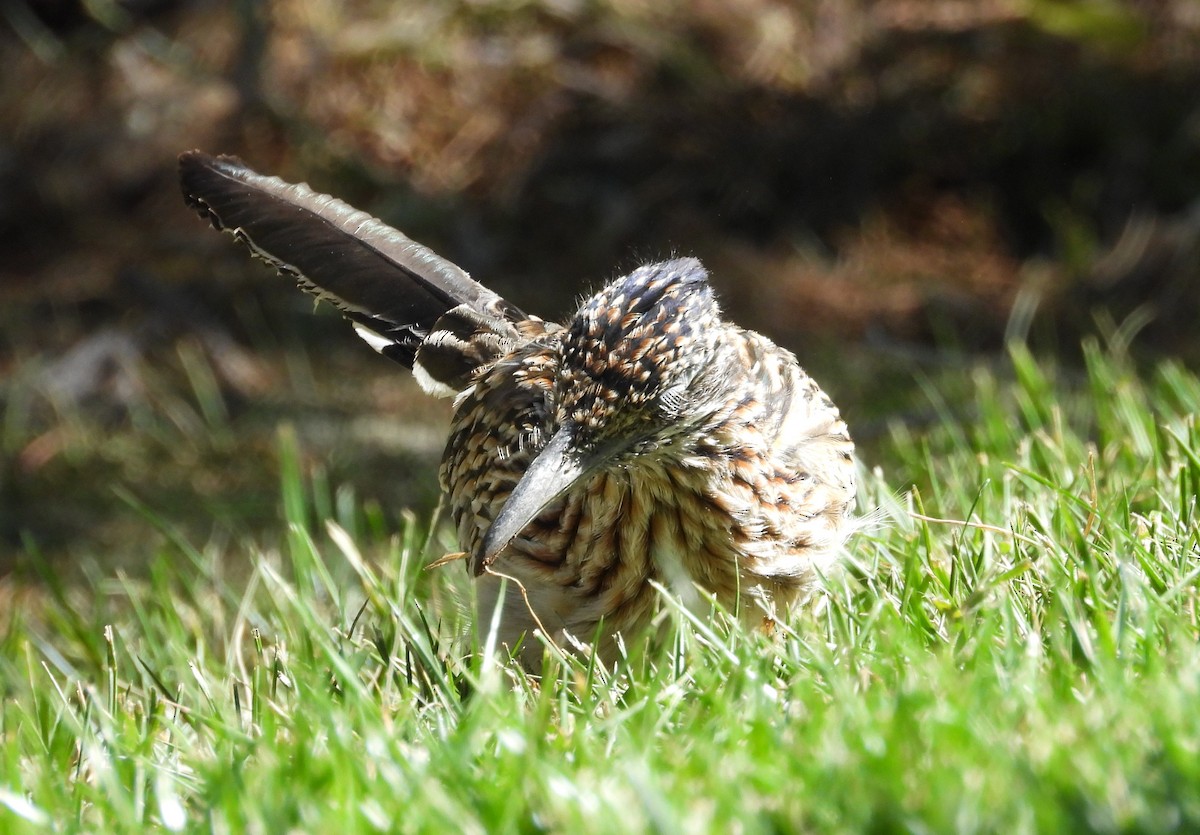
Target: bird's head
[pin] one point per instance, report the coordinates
(640, 364)
(636, 359)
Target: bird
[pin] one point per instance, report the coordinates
(643, 444)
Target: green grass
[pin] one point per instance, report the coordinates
(1035, 670)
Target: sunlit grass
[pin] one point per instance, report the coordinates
(1035, 669)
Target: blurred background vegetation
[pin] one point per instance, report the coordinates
(892, 188)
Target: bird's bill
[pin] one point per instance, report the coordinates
(553, 472)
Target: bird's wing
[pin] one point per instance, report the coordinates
(801, 424)
(395, 291)
(811, 475)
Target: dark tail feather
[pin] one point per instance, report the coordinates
(394, 289)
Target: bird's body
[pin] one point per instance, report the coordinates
(645, 442)
(745, 498)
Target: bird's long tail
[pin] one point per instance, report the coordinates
(405, 300)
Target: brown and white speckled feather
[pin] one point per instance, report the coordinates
(745, 490)
(645, 441)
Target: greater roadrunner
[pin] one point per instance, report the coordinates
(645, 439)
